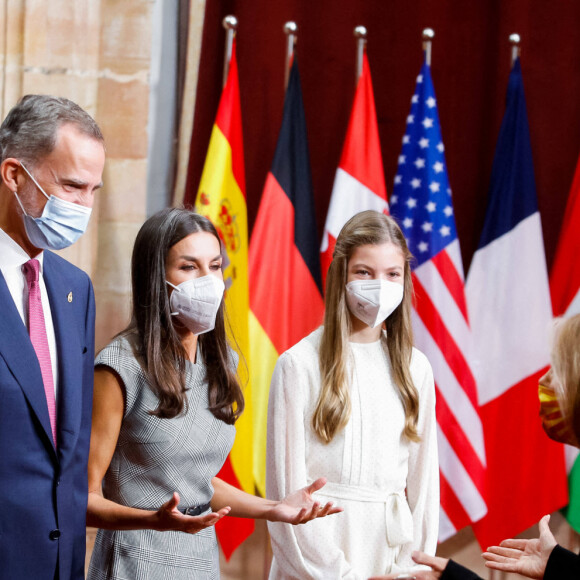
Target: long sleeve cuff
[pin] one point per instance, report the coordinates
(455, 571)
(562, 564)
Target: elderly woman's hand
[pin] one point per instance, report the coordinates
(436, 563)
(525, 557)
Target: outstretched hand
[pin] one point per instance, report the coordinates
(170, 518)
(437, 566)
(300, 507)
(526, 557)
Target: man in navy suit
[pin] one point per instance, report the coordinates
(51, 164)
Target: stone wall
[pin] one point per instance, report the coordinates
(123, 105)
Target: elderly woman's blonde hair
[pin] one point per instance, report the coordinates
(566, 368)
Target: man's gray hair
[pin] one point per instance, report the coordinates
(30, 129)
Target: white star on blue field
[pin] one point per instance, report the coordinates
(421, 199)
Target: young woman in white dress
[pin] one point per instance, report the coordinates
(355, 403)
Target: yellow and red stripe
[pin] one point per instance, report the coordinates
(222, 199)
(285, 286)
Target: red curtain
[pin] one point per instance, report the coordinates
(470, 67)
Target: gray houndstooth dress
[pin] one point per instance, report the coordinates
(153, 458)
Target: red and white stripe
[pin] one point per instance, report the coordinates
(360, 182)
(442, 332)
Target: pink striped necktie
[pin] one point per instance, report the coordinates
(37, 330)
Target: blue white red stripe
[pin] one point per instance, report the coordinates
(510, 315)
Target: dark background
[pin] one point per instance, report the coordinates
(470, 68)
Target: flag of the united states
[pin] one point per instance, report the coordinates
(421, 202)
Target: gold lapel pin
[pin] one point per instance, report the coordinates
(69, 297)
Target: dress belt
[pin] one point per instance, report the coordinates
(398, 517)
(195, 510)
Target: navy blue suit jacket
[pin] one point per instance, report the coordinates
(43, 490)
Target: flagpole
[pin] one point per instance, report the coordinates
(515, 42)
(290, 30)
(360, 33)
(428, 34)
(230, 23)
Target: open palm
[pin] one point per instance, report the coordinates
(300, 506)
(526, 557)
(170, 518)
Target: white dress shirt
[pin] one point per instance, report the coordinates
(12, 258)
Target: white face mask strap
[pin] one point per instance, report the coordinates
(174, 288)
(34, 180)
(20, 203)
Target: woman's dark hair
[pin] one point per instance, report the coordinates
(163, 355)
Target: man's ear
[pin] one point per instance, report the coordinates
(9, 173)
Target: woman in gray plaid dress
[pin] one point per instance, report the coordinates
(165, 403)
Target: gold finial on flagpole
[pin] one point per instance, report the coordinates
(230, 23)
(360, 33)
(428, 35)
(290, 30)
(515, 40)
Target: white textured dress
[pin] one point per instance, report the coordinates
(388, 486)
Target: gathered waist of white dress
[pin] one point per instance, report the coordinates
(398, 517)
(358, 493)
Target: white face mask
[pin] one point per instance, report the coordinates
(195, 302)
(61, 224)
(373, 301)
